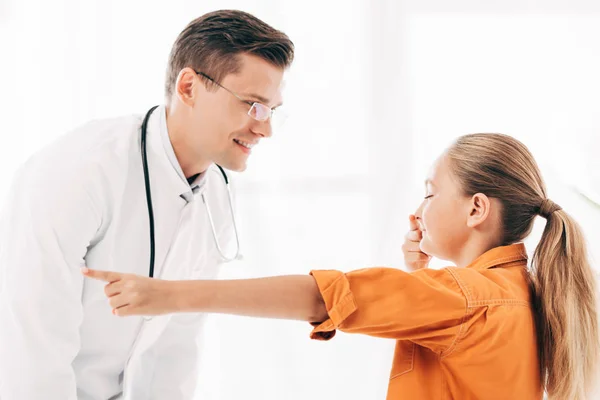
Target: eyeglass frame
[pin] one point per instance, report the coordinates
(252, 104)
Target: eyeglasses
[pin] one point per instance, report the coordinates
(258, 111)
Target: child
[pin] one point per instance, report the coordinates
(487, 328)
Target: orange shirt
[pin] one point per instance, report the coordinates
(461, 333)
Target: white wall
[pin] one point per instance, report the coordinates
(394, 82)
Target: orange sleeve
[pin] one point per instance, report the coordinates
(426, 306)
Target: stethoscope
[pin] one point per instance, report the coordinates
(237, 255)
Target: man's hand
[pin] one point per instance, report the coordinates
(414, 258)
(130, 294)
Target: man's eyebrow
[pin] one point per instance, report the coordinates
(257, 97)
(260, 99)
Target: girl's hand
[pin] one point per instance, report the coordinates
(130, 294)
(414, 258)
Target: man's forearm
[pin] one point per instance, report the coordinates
(288, 297)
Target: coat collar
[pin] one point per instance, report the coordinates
(501, 256)
(159, 143)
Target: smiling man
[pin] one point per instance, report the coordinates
(123, 194)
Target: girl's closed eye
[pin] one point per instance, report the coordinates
(428, 196)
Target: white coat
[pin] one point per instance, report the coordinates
(81, 201)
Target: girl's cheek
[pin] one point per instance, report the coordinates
(425, 217)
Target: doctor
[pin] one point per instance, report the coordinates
(83, 201)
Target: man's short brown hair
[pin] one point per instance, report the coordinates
(212, 43)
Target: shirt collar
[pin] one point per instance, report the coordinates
(187, 190)
(514, 254)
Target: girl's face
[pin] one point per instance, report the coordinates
(443, 216)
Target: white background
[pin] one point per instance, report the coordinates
(393, 82)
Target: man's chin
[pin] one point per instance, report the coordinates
(239, 169)
(234, 166)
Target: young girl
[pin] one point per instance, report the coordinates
(487, 328)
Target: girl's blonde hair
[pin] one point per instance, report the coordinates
(563, 283)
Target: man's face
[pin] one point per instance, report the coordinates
(221, 129)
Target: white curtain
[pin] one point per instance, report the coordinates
(392, 83)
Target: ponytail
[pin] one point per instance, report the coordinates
(565, 300)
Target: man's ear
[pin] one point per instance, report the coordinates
(479, 210)
(186, 82)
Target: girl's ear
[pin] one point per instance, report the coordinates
(479, 210)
